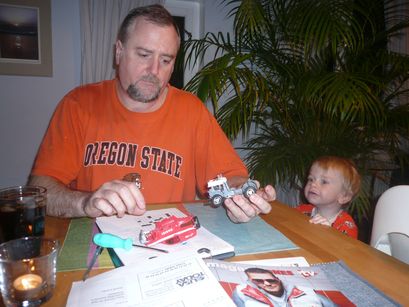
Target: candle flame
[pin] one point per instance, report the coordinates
(28, 282)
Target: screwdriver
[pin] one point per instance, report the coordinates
(92, 262)
(108, 240)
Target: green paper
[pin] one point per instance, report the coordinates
(74, 253)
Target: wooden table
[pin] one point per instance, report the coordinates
(317, 244)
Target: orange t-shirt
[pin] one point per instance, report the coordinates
(92, 138)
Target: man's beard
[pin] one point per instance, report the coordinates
(138, 94)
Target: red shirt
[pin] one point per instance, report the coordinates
(343, 223)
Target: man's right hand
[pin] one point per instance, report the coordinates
(115, 197)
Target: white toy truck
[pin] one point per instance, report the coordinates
(219, 190)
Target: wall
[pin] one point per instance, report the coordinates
(27, 103)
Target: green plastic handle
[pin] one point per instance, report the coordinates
(111, 241)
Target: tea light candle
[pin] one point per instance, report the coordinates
(27, 286)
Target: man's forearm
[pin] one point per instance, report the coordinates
(61, 201)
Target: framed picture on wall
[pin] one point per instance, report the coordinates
(25, 37)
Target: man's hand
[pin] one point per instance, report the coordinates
(240, 209)
(115, 197)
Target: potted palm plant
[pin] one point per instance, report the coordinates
(305, 78)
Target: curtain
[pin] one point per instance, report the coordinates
(100, 21)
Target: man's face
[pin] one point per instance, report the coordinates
(146, 60)
(268, 282)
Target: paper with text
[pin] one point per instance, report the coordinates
(177, 280)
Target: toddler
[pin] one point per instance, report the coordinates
(331, 185)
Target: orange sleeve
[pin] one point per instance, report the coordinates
(215, 153)
(58, 155)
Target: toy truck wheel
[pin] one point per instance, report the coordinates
(249, 191)
(217, 200)
(174, 240)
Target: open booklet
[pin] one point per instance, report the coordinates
(257, 285)
(205, 243)
(174, 280)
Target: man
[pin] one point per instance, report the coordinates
(138, 123)
(266, 289)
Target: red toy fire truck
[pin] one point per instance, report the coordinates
(171, 230)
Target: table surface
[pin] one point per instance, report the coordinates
(317, 244)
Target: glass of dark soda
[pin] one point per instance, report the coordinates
(22, 212)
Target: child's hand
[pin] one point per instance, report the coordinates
(319, 219)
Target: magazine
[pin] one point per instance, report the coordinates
(258, 285)
(288, 261)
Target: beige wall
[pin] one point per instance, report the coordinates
(26, 103)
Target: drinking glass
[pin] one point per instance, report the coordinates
(22, 212)
(28, 270)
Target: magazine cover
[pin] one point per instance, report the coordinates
(256, 285)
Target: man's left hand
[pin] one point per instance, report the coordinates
(240, 209)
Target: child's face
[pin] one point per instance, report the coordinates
(325, 188)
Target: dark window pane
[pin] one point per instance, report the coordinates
(177, 77)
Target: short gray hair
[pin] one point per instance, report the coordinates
(155, 13)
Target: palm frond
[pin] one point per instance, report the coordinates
(305, 78)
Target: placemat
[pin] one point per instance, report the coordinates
(78, 247)
(353, 286)
(253, 237)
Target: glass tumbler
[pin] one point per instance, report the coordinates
(28, 270)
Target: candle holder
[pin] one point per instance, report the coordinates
(28, 270)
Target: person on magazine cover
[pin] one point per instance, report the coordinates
(263, 288)
(138, 122)
(332, 184)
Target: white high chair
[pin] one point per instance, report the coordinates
(390, 230)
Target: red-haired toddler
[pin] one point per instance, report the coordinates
(331, 185)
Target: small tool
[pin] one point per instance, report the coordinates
(92, 262)
(112, 241)
(107, 240)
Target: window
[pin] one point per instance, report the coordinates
(188, 17)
